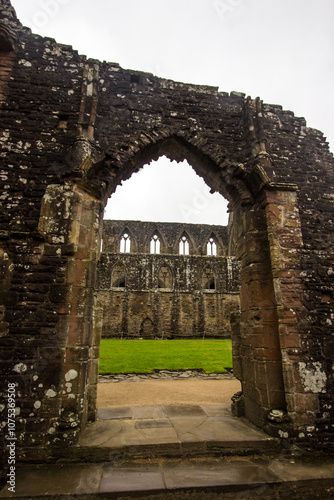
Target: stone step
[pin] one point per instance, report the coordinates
(170, 431)
(253, 477)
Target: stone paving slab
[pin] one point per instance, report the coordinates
(153, 424)
(183, 411)
(183, 475)
(176, 430)
(139, 412)
(116, 413)
(138, 478)
(255, 473)
(183, 423)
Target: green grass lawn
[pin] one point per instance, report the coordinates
(145, 356)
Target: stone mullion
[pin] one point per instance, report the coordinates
(285, 243)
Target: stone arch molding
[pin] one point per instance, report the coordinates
(231, 179)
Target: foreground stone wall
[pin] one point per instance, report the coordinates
(166, 295)
(71, 131)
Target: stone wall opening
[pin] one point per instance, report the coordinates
(268, 329)
(167, 260)
(264, 375)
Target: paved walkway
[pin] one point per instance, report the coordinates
(170, 430)
(128, 448)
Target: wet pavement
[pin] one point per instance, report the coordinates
(138, 478)
(158, 451)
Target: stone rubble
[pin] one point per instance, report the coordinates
(164, 375)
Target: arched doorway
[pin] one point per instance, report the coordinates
(268, 330)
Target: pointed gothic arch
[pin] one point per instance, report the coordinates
(165, 277)
(239, 168)
(125, 241)
(146, 330)
(212, 246)
(253, 200)
(208, 279)
(232, 183)
(184, 244)
(155, 243)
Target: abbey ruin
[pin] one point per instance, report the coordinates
(71, 130)
(166, 280)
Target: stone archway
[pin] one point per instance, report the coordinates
(266, 228)
(146, 330)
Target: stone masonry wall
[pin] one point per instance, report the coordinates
(197, 302)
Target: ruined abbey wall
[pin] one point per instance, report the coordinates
(71, 131)
(165, 294)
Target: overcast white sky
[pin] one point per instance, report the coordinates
(279, 50)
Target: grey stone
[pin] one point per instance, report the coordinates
(129, 479)
(215, 474)
(114, 413)
(183, 410)
(146, 412)
(153, 424)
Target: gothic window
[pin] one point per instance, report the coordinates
(208, 279)
(118, 276)
(184, 245)
(211, 247)
(165, 277)
(125, 243)
(155, 244)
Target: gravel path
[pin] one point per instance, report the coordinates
(163, 388)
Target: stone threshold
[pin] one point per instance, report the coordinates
(170, 431)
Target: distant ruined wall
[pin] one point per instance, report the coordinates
(166, 295)
(71, 130)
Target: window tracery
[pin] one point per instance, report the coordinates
(211, 247)
(125, 243)
(155, 244)
(184, 245)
